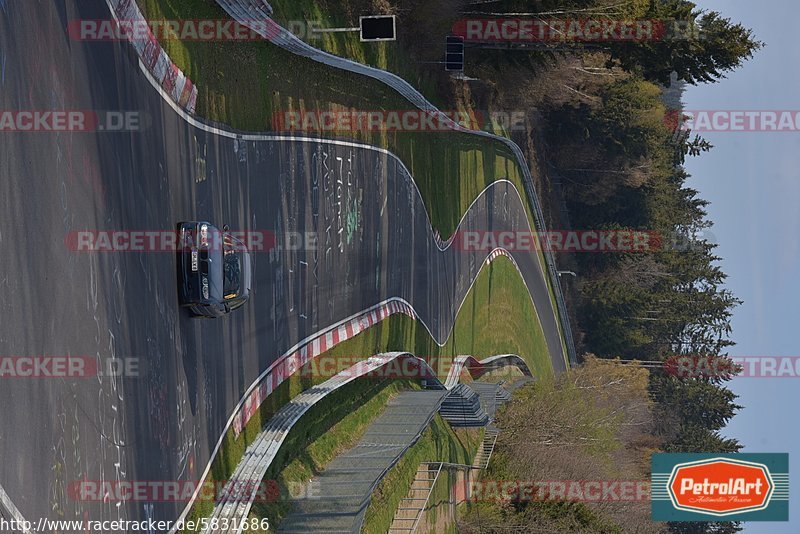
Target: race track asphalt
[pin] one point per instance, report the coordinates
(375, 242)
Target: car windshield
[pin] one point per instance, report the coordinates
(232, 268)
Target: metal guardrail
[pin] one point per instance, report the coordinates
(248, 11)
(259, 455)
(459, 364)
(374, 486)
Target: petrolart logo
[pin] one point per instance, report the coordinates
(714, 487)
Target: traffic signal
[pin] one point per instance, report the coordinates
(454, 53)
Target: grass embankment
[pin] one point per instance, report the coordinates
(390, 56)
(327, 430)
(246, 84)
(429, 21)
(485, 326)
(440, 442)
(332, 425)
(497, 317)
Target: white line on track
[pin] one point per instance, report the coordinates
(6, 501)
(267, 137)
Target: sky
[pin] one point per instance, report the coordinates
(753, 182)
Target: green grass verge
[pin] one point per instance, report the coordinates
(244, 84)
(497, 317)
(331, 427)
(386, 55)
(439, 442)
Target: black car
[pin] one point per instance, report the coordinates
(214, 270)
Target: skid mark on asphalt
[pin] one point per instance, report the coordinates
(185, 449)
(91, 295)
(118, 299)
(378, 264)
(159, 412)
(64, 169)
(91, 176)
(110, 425)
(69, 463)
(58, 498)
(148, 514)
(199, 161)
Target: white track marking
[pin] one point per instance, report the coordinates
(12, 510)
(6, 501)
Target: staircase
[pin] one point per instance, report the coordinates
(491, 395)
(486, 449)
(502, 395)
(462, 408)
(409, 511)
(472, 405)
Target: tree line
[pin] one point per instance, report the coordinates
(609, 122)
